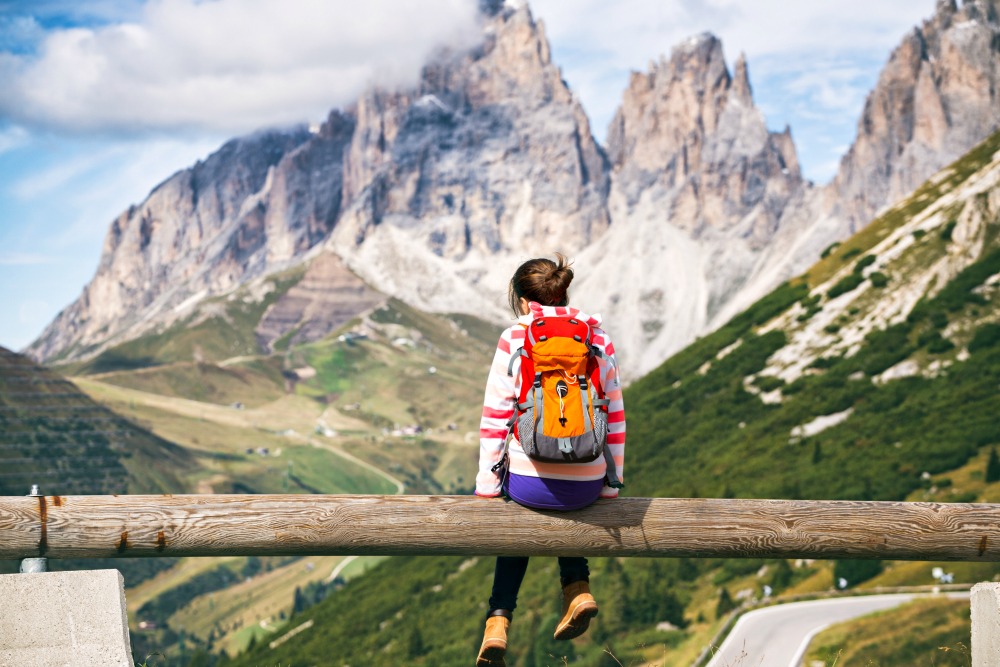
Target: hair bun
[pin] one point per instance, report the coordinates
(541, 280)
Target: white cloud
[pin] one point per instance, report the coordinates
(23, 259)
(228, 65)
(12, 138)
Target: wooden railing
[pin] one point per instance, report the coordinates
(215, 525)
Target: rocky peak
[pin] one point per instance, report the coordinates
(699, 189)
(688, 125)
(741, 81)
(938, 95)
(490, 155)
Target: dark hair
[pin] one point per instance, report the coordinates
(541, 280)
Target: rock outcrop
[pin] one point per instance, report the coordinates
(699, 188)
(938, 95)
(196, 232)
(327, 297)
(491, 158)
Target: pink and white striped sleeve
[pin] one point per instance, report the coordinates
(616, 409)
(498, 406)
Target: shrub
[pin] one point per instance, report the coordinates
(879, 279)
(919, 234)
(947, 231)
(824, 362)
(845, 285)
(864, 263)
(725, 603)
(853, 252)
(940, 345)
(856, 571)
(768, 382)
(986, 336)
(829, 249)
(993, 466)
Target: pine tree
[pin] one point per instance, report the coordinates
(415, 644)
(993, 466)
(781, 576)
(725, 603)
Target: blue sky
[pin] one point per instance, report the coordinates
(101, 100)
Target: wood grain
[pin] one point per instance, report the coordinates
(215, 525)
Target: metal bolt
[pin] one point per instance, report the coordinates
(34, 490)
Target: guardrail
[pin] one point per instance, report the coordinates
(216, 525)
(36, 527)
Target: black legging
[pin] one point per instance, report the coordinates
(509, 574)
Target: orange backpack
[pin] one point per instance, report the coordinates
(561, 413)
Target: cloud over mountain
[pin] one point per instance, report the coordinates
(230, 65)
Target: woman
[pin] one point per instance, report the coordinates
(538, 289)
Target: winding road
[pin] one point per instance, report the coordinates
(778, 636)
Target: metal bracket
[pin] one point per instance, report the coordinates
(34, 565)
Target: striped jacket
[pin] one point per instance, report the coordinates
(498, 407)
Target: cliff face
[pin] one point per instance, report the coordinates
(699, 189)
(938, 95)
(198, 230)
(490, 158)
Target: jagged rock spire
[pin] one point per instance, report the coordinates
(741, 89)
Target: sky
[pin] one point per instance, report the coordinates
(100, 100)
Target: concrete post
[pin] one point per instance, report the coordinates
(986, 624)
(64, 619)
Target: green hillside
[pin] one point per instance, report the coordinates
(867, 378)
(389, 402)
(924, 633)
(54, 435)
(221, 328)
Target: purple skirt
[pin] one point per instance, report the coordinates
(553, 494)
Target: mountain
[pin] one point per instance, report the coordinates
(937, 96)
(490, 158)
(875, 367)
(427, 190)
(433, 194)
(871, 376)
(200, 232)
(699, 189)
(55, 436)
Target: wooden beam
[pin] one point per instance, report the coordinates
(216, 525)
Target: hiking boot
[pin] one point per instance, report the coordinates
(494, 643)
(578, 608)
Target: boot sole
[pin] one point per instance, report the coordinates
(491, 656)
(578, 622)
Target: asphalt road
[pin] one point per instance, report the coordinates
(778, 636)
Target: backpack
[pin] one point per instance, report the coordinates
(561, 414)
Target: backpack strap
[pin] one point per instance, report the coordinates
(612, 478)
(514, 357)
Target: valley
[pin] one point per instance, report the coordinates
(388, 404)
